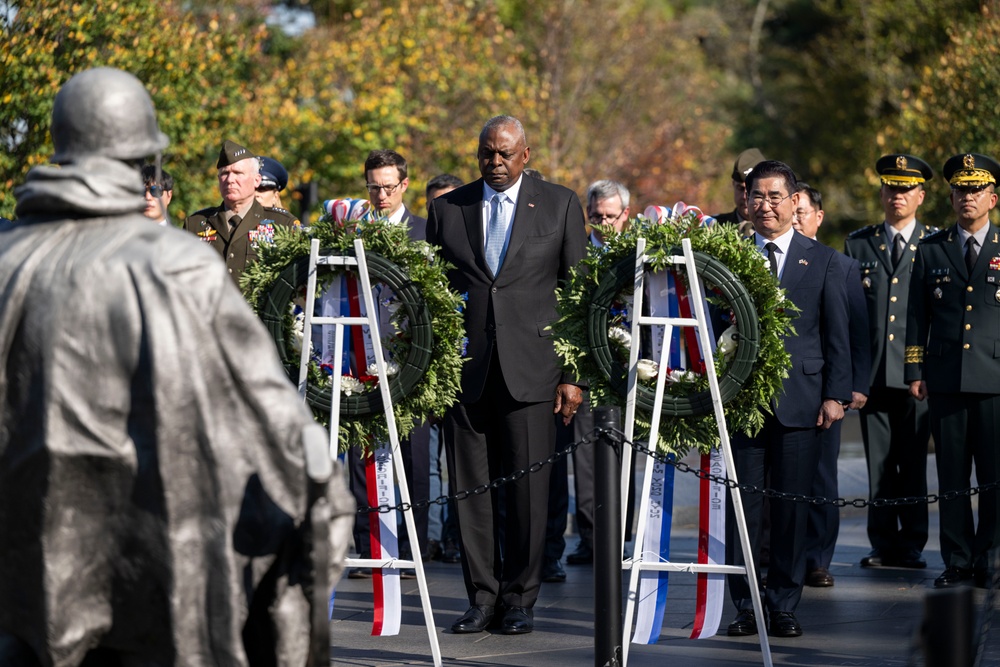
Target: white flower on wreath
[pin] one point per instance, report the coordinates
(620, 335)
(391, 368)
(298, 332)
(679, 375)
(728, 342)
(646, 369)
(351, 385)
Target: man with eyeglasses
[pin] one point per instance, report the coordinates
(238, 226)
(823, 521)
(740, 216)
(386, 181)
(814, 394)
(158, 193)
(952, 359)
(894, 424)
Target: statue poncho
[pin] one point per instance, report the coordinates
(153, 454)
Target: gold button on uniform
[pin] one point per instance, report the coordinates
(895, 280)
(968, 326)
(893, 299)
(892, 318)
(892, 337)
(969, 307)
(969, 288)
(965, 347)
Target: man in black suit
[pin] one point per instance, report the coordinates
(817, 389)
(511, 240)
(823, 522)
(953, 360)
(386, 179)
(894, 425)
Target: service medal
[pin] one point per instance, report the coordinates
(866, 281)
(938, 293)
(997, 295)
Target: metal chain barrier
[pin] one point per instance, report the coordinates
(640, 448)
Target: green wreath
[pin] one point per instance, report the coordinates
(427, 352)
(738, 283)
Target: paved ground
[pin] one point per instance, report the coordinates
(868, 619)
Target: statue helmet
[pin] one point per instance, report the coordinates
(107, 112)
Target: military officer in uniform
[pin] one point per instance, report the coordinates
(894, 424)
(740, 216)
(239, 225)
(273, 180)
(953, 360)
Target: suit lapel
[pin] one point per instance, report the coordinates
(524, 217)
(219, 223)
(879, 244)
(989, 250)
(953, 249)
(797, 262)
(472, 211)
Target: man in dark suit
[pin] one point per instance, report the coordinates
(386, 179)
(953, 360)
(740, 216)
(894, 424)
(817, 389)
(239, 225)
(511, 240)
(823, 522)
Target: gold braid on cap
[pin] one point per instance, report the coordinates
(895, 179)
(914, 354)
(972, 177)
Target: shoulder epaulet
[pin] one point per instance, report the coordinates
(206, 212)
(936, 235)
(864, 232)
(279, 210)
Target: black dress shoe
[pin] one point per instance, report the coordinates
(584, 555)
(517, 621)
(784, 624)
(476, 619)
(450, 552)
(553, 572)
(408, 573)
(819, 578)
(911, 559)
(745, 624)
(953, 576)
(874, 559)
(360, 573)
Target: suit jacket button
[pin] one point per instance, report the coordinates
(493, 289)
(969, 288)
(895, 280)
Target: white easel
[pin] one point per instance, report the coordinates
(637, 564)
(315, 260)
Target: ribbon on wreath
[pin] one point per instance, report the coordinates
(668, 297)
(343, 297)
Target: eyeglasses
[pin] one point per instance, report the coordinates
(155, 190)
(604, 218)
(373, 188)
(757, 200)
(974, 190)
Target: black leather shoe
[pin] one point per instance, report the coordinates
(517, 621)
(745, 624)
(911, 559)
(450, 552)
(553, 572)
(819, 578)
(584, 555)
(953, 576)
(360, 573)
(476, 619)
(408, 573)
(873, 559)
(784, 624)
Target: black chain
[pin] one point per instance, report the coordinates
(639, 447)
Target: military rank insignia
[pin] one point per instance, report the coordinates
(207, 235)
(262, 235)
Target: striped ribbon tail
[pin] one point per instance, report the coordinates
(711, 588)
(384, 544)
(656, 543)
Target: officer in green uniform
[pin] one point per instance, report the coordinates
(239, 225)
(894, 424)
(953, 359)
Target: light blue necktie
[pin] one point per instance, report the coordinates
(496, 232)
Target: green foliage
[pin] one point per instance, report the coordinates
(438, 388)
(197, 69)
(746, 411)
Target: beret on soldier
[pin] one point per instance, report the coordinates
(232, 152)
(901, 170)
(273, 176)
(745, 162)
(971, 169)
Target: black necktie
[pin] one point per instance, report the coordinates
(772, 257)
(897, 249)
(971, 254)
(234, 222)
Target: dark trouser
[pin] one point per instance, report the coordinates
(415, 451)
(790, 456)
(896, 432)
(485, 440)
(823, 521)
(966, 429)
(555, 526)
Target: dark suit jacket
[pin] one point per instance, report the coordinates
(861, 356)
(239, 247)
(515, 308)
(816, 282)
(416, 225)
(886, 291)
(954, 317)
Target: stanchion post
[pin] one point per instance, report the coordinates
(946, 633)
(607, 539)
